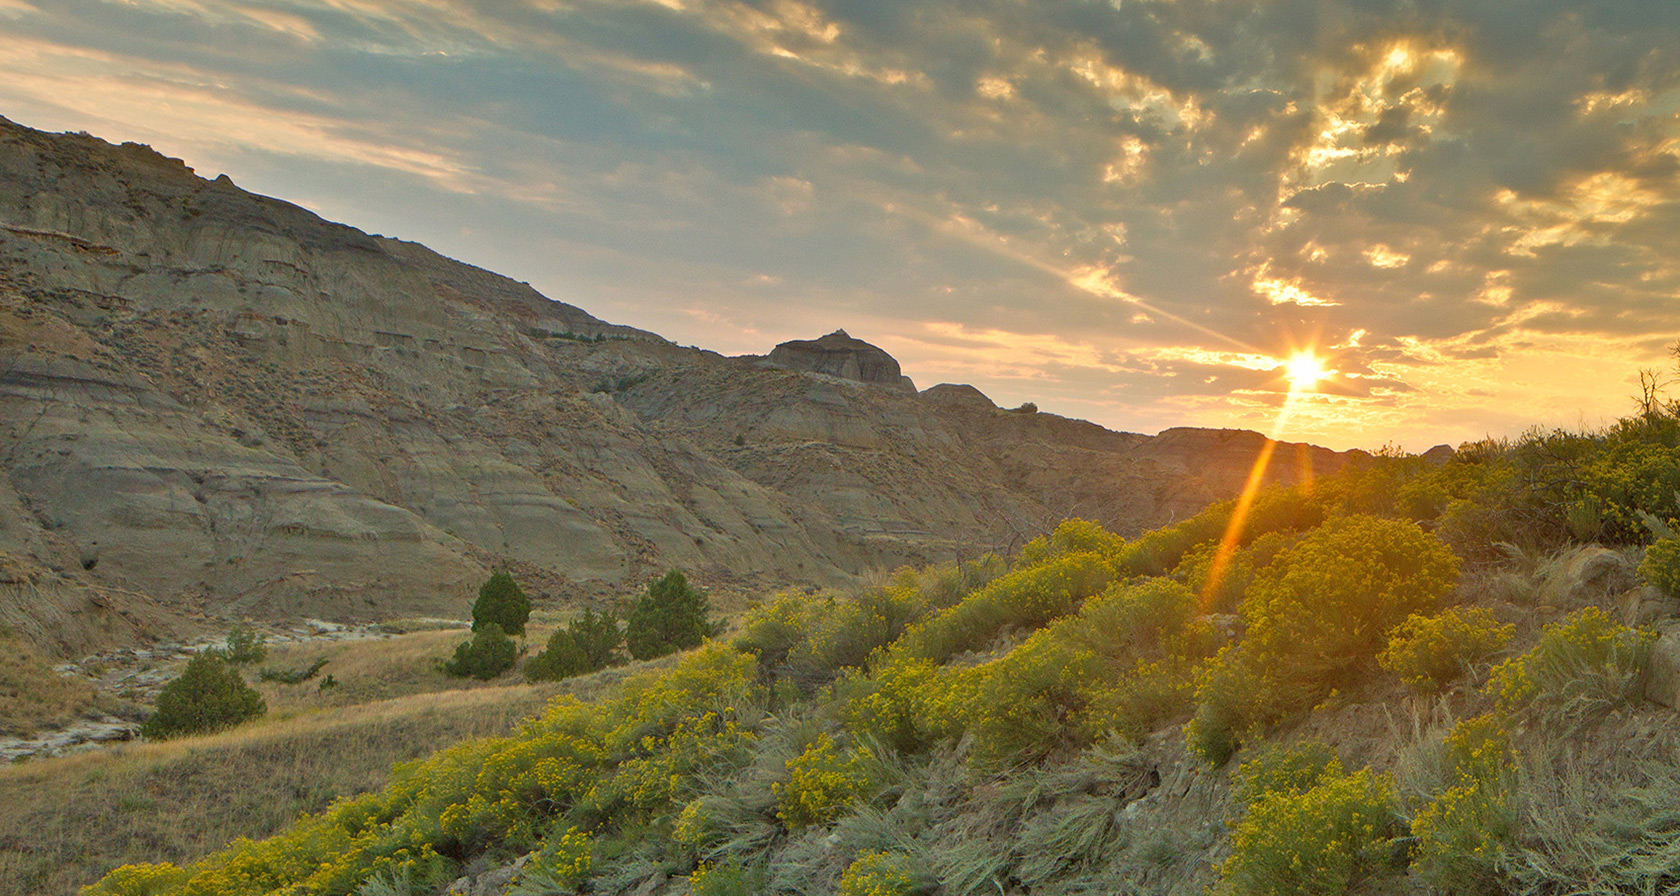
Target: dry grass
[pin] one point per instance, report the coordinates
(32, 695)
(65, 822)
(367, 671)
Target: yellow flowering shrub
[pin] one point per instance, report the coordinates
(1660, 567)
(1327, 604)
(668, 770)
(823, 783)
(1462, 835)
(714, 678)
(560, 864)
(1321, 611)
(1293, 769)
(1070, 537)
(875, 873)
(1026, 597)
(1320, 841)
(907, 703)
(1580, 666)
(139, 880)
(1429, 652)
(1025, 704)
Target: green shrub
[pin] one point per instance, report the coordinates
(502, 602)
(1661, 566)
(587, 643)
(1321, 841)
(1231, 698)
(244, 646)
(1580, 667)
(668, 617)
(487, 655)
(294, 676)
(808, 641)
(733, 876)
(209, 695)
(1429, 652)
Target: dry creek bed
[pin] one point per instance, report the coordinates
(136, 674)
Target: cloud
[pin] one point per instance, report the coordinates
(1121, 210)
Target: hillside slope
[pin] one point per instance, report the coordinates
(218, 403)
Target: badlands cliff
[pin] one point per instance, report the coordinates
(215, 404)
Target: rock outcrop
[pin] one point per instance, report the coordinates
(839, 354)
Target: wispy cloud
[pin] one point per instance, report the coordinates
(1126, 211)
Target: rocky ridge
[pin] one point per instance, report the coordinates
(215, 404)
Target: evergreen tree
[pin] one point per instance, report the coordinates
(487, 655)
(208, 695)
(587, 643)
(670, 616)
(501, 601)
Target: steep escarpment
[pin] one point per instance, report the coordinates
(218, 404)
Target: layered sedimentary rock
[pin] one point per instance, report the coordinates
(218, 403)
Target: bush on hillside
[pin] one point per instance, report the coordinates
(1327, 604)
(1026, 597)
(209, 695)
(244, 646)
(670, 616)
(1316, 616)
(1661, 566)
(501, 601)
(875, 873)
(487, 655)
(1429, 652)
(823, 783)
(1463, 834)
(1580, 667)
(587, 643)
(1321, 841)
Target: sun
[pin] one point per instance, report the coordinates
(1304, 370)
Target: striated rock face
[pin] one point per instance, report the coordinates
(214, 403)
(838, 354)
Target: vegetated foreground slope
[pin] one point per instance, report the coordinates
(1412, 677)
(215, 402)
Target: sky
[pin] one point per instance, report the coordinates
(1134, 211)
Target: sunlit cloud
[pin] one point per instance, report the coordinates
(177, 105)
(1133, 212)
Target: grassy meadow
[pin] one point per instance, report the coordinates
(66, 821)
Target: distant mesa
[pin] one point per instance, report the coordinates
(839, 354)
